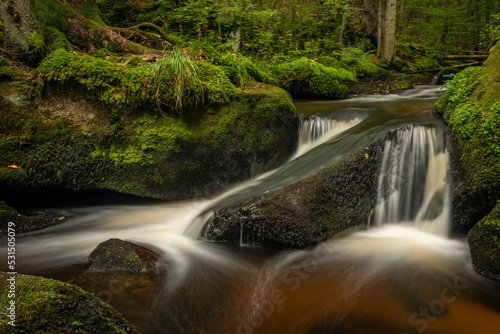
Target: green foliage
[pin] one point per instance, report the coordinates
(56, 39)
(355, 59)
(471, 108)
(125, 83)
(6, 70)
(458, 87)
(54, 13)
(444, 26)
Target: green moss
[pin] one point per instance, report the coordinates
(307, 78)
(6, 70)
(115, 84)
(484, 242)
(56, 39)
(50, 306)
(54, 13)
(471, 108)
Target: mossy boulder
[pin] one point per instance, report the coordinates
(307, 78)
(484, 241)
(471, 109)
(118, 255)
(49, 306)
(66, 141)
(308, 211)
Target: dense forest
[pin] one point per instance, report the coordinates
(284, 43)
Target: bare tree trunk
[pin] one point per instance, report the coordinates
(21, 28)
(369, 19)
(342, 29)
(389, 31)
(356, 14)
(380, 26)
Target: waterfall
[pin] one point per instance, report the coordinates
(413, 185)
(317, 130)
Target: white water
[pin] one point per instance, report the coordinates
(319, 130)
(413, 182)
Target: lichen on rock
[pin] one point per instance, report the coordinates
(45, 305)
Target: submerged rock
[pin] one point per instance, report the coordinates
(308, 211)
(118, 255)
(44, 305)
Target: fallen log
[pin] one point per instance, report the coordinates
(433, 70)
(458, 57)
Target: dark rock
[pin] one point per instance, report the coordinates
(388, 84)
(484, 241)
(77, 145)
(23, 223)
(118, 255)
(49, 306)
(308, 211)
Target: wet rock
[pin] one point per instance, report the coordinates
(484, 243)
(49, 306)
(388, 84)
(77, 145)
(308, 211)
(118, 255)
(23, 223)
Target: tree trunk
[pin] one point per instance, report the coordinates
(356, 14)
(380, 26)
(21, 29)
(369, 19)
(389, 31)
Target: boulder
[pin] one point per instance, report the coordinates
(118, 255)
(484, 241)
(308, 211)
(44, 305)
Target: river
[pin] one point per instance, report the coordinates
(404, 274)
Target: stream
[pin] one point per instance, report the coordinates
(404, 274)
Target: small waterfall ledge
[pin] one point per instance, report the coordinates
(413, 185)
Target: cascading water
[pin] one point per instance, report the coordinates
(390, 279)
(317, 130)
(413, 182)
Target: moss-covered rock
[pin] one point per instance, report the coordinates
(306, 78)
(65, 141)
(119, 255)
(308, 211)
(471, 109)
(48, 306)
(484, 241)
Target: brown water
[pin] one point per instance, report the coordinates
(395, 278)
